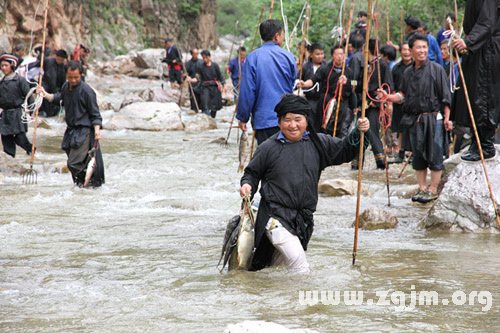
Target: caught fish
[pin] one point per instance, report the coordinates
(243, 151)
(329, 110)
(90, 167)
(238, 246)
(245, 244)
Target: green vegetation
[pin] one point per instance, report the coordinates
(325, 15)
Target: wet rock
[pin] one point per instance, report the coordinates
(338, 187)
(149, 58)
(42, 123)
(257, 326)
(198, 123)
(149, 73)
(151, 95)
(147, 116)
(464, 203)
(376, 218)
(59, 167)
(403, 191)
(9, 165)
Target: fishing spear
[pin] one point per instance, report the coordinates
(362, 134)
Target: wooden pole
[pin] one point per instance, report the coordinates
(387, 23)
(42, 59)
(381, 109)
(302, 44)
(343, 69)
(362, 134)
(271, 9)
(402, 38)
(255, 36)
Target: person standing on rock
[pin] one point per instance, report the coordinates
(480, 49)
(269, 73)
(173, 59)
(211, 83)
(192, 66)
(83, 121)
(426, 95)
(13, 92)
(288, 165)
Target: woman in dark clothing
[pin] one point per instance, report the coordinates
(211, 84)
(13, 91)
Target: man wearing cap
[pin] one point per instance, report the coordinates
(173, 59)
(289, 165)
(13, 91)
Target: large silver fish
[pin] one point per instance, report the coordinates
(238, 247)
(243, 151)
(332, 104)
(90, 167)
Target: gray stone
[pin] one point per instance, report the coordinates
(338, 187)
(465, 203)
(198, 123)
(149, 73)
(375, 218)
(147, 116)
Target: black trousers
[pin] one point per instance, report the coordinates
(373, 135)
(263, 134)
(9, 143)
(77, 158)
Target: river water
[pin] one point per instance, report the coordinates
(140, 253)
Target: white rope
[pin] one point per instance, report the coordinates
(294, 31)
(29, 109)
(450, 34)
(285, 25)
(337, 31)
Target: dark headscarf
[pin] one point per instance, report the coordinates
(291, 103)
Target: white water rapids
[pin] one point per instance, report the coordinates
(139, 254)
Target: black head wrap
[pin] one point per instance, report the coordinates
(291, 103)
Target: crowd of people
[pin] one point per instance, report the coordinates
(62, 86)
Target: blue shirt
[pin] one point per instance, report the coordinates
(234, 69)
(434, 50)
(269, 73)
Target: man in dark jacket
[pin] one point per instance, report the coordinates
(289, 165)
(480, 51)
(173, 59)
(84, 122)
(54, 77)
(13, 91)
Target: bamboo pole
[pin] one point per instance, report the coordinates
(362, 134)
(302, 44)
(343, 68)
(387, 23)
(30, 173)
(271, 9)
(401, 26)
(381, 109)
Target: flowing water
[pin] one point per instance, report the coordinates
(140, 253)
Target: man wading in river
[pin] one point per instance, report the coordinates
(84, 123)
(289, 165)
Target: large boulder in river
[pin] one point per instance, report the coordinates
(9, 165)
(258, 326)
(156, 94)
(338, 187)
(147, 116)
(465, 203)
(198, 123)
(376, 218)
(148, 58)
